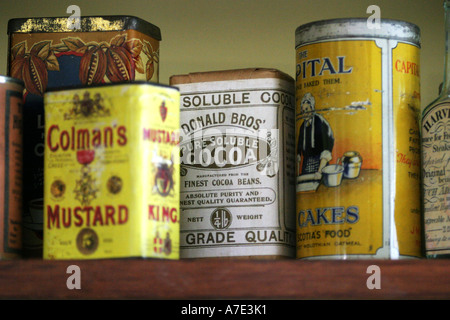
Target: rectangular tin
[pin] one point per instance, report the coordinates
(236, 143)
(10, 168)
(111, 187)
(48, 53)
(357, 134)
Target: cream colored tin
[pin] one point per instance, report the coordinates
(237, 141)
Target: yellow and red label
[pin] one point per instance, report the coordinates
(357, 149)
(111, 185)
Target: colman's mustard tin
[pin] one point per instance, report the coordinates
(357, 140)
(237, 167)
(111, 187)
(52, 52)
(10, 167)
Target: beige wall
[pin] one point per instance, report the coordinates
(202, 35)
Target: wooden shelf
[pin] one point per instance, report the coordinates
(224, 279)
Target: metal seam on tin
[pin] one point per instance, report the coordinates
(99, 85)
(5, 79)
(230, 82)
(391, 176)
(350, 38)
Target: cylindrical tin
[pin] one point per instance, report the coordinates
(48, 53)
(357, 140)
(111, 187)
(11, 168)
(237, 141)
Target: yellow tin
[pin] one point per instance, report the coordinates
(111, 186)
(357, 140)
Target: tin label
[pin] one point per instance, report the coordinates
(111, 175)
(406, 130)
(436, 178)
(11, 168)
(55, 59)
(349, 124)
(236, 182)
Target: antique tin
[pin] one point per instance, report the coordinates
(11, 168)
(236, 142)
(111, 187)
(351, 162)
(48, 53)
(357, 140)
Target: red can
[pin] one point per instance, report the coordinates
(11, 91)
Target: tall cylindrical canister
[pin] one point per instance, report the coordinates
(357, 139)
(48, 53)
(10, 167)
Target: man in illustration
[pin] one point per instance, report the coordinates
(315, 142)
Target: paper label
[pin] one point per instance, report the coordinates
(237, 192)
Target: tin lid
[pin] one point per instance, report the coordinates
(87, 24)
(357, 28)
(6, 79)
(109, 84)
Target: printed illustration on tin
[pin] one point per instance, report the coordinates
(163, 167)
(163, 183)
(314, 151)
(162, 245)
